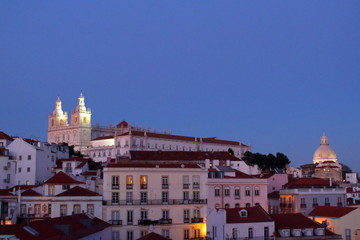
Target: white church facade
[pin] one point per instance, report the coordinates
(101, 143)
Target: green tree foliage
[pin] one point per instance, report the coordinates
(266, 162)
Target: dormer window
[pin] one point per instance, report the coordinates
(243, 213)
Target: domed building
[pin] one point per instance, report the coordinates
(326, 162)
(324, 153)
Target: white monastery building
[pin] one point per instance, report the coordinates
(101, 143)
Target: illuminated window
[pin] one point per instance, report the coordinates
(143, 182)
(129, 182)
(85, 119)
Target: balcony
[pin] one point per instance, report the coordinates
(115, 186)
(115, 222)
(155, 202)
(186, 186)
(165, 221)
(129, 186)
(197, 220)
(196, 186)
(143, 186)
(146, 222)
(165, 186)
(303, 205)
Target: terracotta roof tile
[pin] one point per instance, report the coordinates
(308, 182)
(274, 195)
(62, 178)
(254, 214)
(151, 165)
(5, 136)
(30, 192)
(102, 138)
(330, 211)
(78, 191)
(180, 155)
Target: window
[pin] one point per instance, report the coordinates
(185, 195)
(196, 213)
(339, 202)
(90, 209)
(227, 191)
(257, 191)
(165, 214)
(129, 197)
(217, 192)
(130, 217)
(29, 157)
(237, 205)
(266, 233)
(185, 182)
(143, 182)
(51, 190)
(115, 182)
(19, 169)
(115, 198)
(347, 234)
(143, 214)
(115, 235)
(251, 233)
(77, 209)
(143, 197)
(186, 215)
(234, 233)
(227, 205)
(165, 196)
(129, 182)
(20, 157)
(196, 181)
(63, 209)
(37, 209)
(165, 182)
(28, 169)
(302, 203)
(197, 233)
(237, 193)
(196, 195)
(327, 202)
(315, 202)
(49, 209)
(247, 205)
(243, 213)
(166, 233)
(65, 187)
(247, 191)
(129, 235)
(186, 234)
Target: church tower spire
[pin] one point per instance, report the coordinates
(324, 140)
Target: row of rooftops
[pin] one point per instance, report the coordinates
(70, 227)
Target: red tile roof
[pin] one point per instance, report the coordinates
(62, 178)
(151, 165)
(78, 191)
(153, 236)
(329, 211)
(5, 192)
(274, 195)
(351, 190)
(82, 161)
(296, 221)
(102, 138)
(23, 187)
(213, 140)
(5, 136)
(308, 182)
(180, 155)
(254, 214)
(79, 226)
(239, 174)
(123, 124)
(30, 192)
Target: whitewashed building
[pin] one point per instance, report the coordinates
(169, 199)
(240, 223)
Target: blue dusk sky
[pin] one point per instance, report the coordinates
(273, 74)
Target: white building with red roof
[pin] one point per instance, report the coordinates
(341, 220)
(167, 198)
(27, 161)
(303, 194)
(296, 226)
(239, 223)
(230, 188)
(61, 195)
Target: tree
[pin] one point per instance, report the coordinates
(266, 162)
